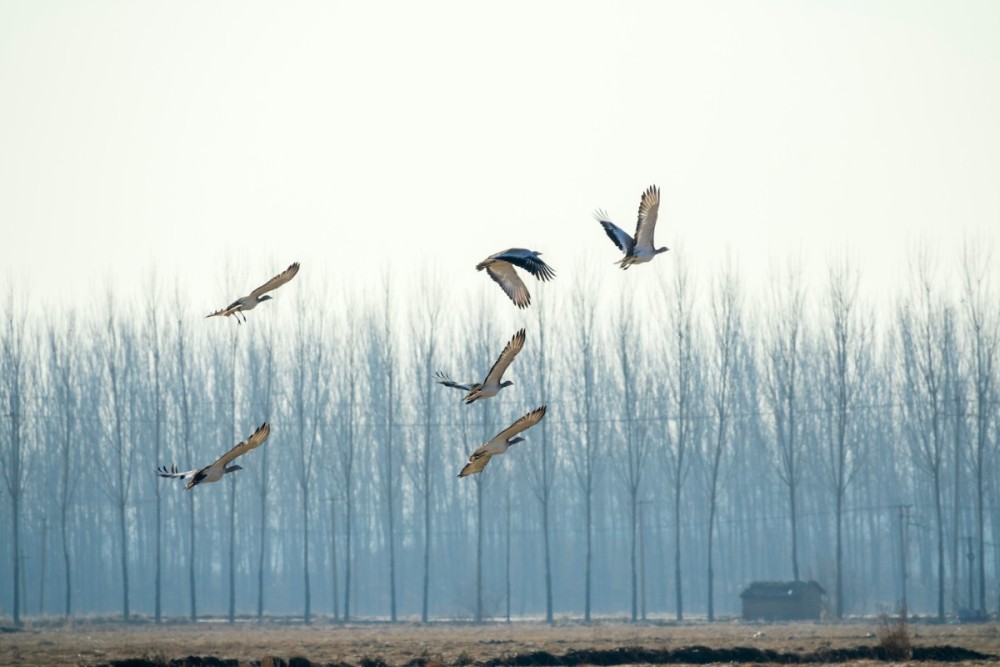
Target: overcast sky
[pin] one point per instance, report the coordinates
(219, 141)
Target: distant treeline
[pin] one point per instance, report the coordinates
(698, 438)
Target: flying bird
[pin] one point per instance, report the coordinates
(492, 384)
(639, 249)
(501, 269)
(214, 472)
(501, 442)
(250, 302)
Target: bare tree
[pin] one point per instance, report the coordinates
(727, 313)
(783, 353)
(351, 352)
(307, 398)
(681, 371)
(183, 400)
(153, 345)
(586, 462)
(424, 334)
(630, 461)
(14, 372)
(119, 365)
(384, 362)
(63, 370)
(483, 345)
(261, 368)
(983, 325)
(921, 325)
(846, 344)
(541, 474)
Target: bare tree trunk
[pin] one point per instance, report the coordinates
(678, 356)
(783, 359)
(154, 349)
(479, 549)
(347, 459)
(387, 361)
(236, 436)
(921, 326)
(983, 318)
(184, 401)
(585, 465)
(846, 348)
(630, 460)
(232, 548)
(118, 359)
(62, 374)
(727, 323)
(14, 462)
(480, 528)
(262, 378)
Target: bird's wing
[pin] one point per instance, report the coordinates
(506, 357)
(276, 281)
(164, 471)
(522, 424)
(528, 260)
(441, 378)
(648, 209)
(255, 440)
(505, 276)
(615, 233)
(476, 463)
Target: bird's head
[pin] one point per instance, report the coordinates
(233, 468)
(506, 383)
(264, 298)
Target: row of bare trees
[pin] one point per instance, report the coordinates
(698, 437)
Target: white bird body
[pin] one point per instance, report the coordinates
(249, 302)
(501, 442)
(218, 469)
(640, 249)
(493, 383)
(500, 267)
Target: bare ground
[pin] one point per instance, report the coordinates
(521, 643)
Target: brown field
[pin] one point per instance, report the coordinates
(93, 643)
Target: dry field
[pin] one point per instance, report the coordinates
(373, 644)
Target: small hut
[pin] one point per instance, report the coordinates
(782, 601)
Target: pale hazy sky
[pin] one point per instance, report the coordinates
(351, 136)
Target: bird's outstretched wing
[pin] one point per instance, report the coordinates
(528, 260)
(476, 463)
(522, 424)
(276, 281)
(649, 207)
(504, 274)
(254, 441)
(164, 471)
(505, 358)
(618, 235)
(441, 378)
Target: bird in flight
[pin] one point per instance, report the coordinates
(250, 302)
(501, 442)
(492, 384)
(501, 269)
(214, 472)
(639, 249)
